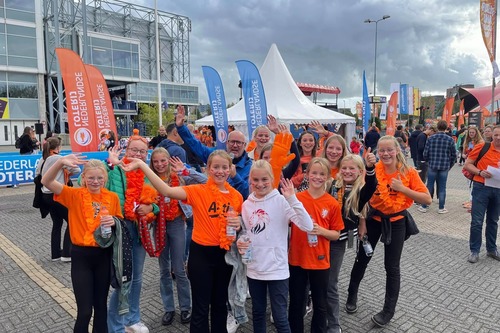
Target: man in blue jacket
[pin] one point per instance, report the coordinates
(235, 146)
(173, 143)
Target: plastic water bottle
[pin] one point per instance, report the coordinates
(246, 257)
(367, 246)
(105, 230)
(312, 239)
(230, 230)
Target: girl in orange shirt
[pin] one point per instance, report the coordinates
(90, 264)
(399, 185)
(208, 272)
(309, 254)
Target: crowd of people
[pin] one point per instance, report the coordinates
(271, 217)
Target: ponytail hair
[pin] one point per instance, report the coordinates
(50, 144)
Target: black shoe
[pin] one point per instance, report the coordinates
(185, 317)
(381, 319)
(350, 305)
(168, 318)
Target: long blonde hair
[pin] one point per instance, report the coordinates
(401, 164)
(325, 164)
(158, 151)
(339, 139)
(352, 201)
(477, 139)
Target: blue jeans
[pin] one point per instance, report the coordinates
(485, 201)
(173, 255)
(337, 251)
(278, 295)
(117, 323)
(440, 177)
(189, 233)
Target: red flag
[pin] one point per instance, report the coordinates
(392, 114)
(488, 21)
(461, 112)
(79, 101)
(448, 108)
(104, 115)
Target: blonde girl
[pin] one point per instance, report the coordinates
(311, 262)
(399, 185)
(90, 266)
(170, 234)
(354, 186)
(209, 273)
(266, 215)
(260, 137)
(334, 150)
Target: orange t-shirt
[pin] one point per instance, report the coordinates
(298, 176)
(492, 157)
(334, 172)
(325, 211)
(415, 183)
(80, 231)
(206, 213)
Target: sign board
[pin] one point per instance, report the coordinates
(378, 99)
(475, 119)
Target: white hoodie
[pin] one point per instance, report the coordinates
(266, 220)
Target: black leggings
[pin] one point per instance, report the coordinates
(58, 214)
(90, 276)
(209, 275)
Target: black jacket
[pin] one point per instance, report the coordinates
(421, 140)
(412, 141)
(27, 144)
(371, 139)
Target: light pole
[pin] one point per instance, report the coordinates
(385, 17)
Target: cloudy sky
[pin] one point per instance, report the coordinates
(430, 44)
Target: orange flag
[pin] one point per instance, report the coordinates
(448, 109)
(103, 107)
(461, 112)
(392, 114)
(79, 103)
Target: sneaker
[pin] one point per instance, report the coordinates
(137, 328)
(443, 211)
(309, 306)
(66, 259)
(232, 324)
(422, 209)
(56, 259)
(473, 258)
(271, 318)
(494, 254)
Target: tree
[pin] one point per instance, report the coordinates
(148, 114)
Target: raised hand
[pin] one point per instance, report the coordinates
(272, 124)
(370, 158)
(73, 160)
(287, 188)
(397, 184)
(282, 128)
(280, 154)
(316, 126)
(180, 116)
(114, 155)
(176, 164)
(133, 164)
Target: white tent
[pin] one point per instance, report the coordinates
(285, 101)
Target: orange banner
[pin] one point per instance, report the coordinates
(103, 107)
(448, 109)
(392, 114)
(79, 103)
(487, 15)
(461, 112)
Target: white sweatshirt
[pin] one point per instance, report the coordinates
(267, 221)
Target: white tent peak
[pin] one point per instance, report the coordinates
(284, 100)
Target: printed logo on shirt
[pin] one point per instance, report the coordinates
(214, 211)
(324, 213)
(258, 221)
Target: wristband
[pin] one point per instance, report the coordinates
(479, 173)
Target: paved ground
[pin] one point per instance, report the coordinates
(441, 291)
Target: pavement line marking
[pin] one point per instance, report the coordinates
(62, 295)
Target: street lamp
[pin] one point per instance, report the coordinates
(385, 17)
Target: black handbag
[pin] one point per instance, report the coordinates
(411, 226)
(37, 199)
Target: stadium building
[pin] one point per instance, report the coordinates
(117, 37)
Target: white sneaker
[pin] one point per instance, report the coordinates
(66, 259)
(271, 318)
(137, 328)
(309, 306)
(232, 324)
(443, 211)
(422, 209)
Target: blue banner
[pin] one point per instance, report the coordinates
(366, 106)
(253, 93)
(217, 104)
(403, 99)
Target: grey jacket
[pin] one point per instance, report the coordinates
(116, 241)
(237, 289)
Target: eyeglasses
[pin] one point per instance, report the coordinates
(235, 143)
(95, 179)
(140, 151)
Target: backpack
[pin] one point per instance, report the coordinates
(18, 142)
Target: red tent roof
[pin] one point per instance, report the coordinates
(308, 89)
